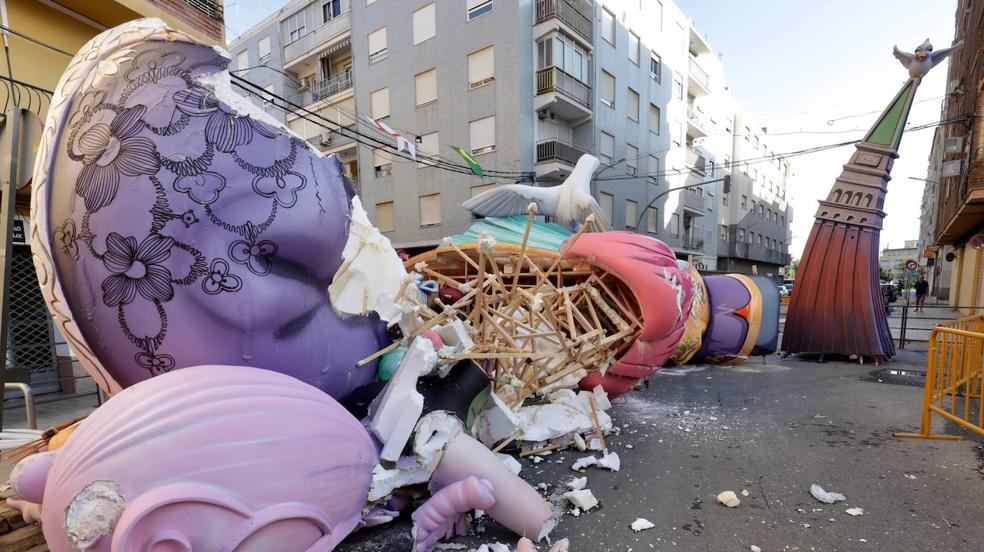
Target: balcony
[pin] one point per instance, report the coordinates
(696, 124)
(750, 252)
(575, 14)
(696, 162)
(694, 202)
(556, 158)
(562, 95)
(317, 39)
(323, 90)
(698, 82)
(693, 241)
(331, 141)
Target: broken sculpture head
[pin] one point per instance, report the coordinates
(177, 224)
(205, 458)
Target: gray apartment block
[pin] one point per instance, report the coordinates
(527, 86)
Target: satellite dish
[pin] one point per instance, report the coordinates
(977, 242)
(950, 257)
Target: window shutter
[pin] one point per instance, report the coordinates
(607, 145)
(631, 213)
(380, 158)
(384, 217)
(377, 41)
(424, 24)
(481, 66)
(482, 134)
(430, 145)
(631, 158)
(426, 84)
(608, 87)
(653, 119)
(264, 47)
(633, 105)
(380, 103)
(242, 59)
(430, 209)
(607, 204)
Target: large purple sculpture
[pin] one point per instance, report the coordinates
(176, 224)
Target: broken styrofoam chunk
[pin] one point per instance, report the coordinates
(455, 334)
(548, 526)
(567, 412)
(754, 548)
(371, 275)
(576, 512)
(395, 412)
(578, 483)
(497, 422)
(579, 442)
(641, 524)
(494, 547)
(826, 497)
(854, 511)
(582, 498)
(511, 463)
(610, 461)
(744, 492)
(584, 462)
(729, 499)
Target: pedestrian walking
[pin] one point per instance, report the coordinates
(922, 289)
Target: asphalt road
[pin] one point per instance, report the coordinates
(771, 429)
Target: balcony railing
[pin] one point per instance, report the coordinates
(210, 8)
(696, 162)
(696, 117)
(575, 13)
(317, 37)
(698, 74)
(557, 150)
(694, 201)
(553, 79)
(332, 138)
(693, 241)
(323, 89)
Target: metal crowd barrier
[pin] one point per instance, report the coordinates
(954, 378)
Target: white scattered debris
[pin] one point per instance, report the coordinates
(641, 524)
(754, 548)
(610, 461)
(567, 412)
(909, 476)
(578, 483)
(744, 492)
(496, 423)
(395, 412)
(584, 462)
(511, 463)
(449, 546)
(819, 416)
(729, 499)
(372, 275)
(576, 512)
(536, 459)
(579, 442)
(494, 547)
(630, 447)
(825, 496)
(854, 511)
(582, 498)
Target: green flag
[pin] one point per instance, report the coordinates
(472, 164)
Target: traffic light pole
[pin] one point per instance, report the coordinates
(726, 179)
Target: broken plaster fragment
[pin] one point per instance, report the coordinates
(395, 412)
(729, 499)
(584, 462)
(610, 461)
(641, 524)
(93, 512)
(582, 498)
(826, 497)
(578, 483)
(511, 463)
(854, 511)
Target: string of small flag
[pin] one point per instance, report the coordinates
(402, 144)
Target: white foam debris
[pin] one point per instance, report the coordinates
(826, 497)
(395, 412)
(372, 275)
(610, 461)
(494, 547)
(641, 524)
(578, 483)
(584, 462)
(579, 442)
(854, 511)
(729, 499)
(582, 498)
(510, 463)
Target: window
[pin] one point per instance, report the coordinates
(741, 235)
(782, 220)
(424, 24)
(382, 163)
(430, 210)
(651, 226)
(724, 199)
(758, 239)
(631, 213)
(295, 26)
(476, 190)
(775, 217)
(430, 145)
(607, 204)
(744, 202)
(377, 45)
(751, 237)
(633, 101)
(656, 19)
(724, 232)
(563, 53)
(379, 103)
(782, 246)
(607, 89)
(631, 159)
(677, 86)
(675, 225)
(330, 9)
(477, 8)
(264, 48)
(608, 26)
(656, 68)
(761, 210)
(482, 135)
(654, 117)
(384, 216)
(242, 59)
(481, 67)
(607, 153)
(653, 170)
(633, 48)
(426, 85)
(768, 216)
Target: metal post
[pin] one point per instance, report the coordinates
(9, 179)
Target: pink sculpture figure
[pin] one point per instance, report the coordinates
(206, 458)
(442, 516)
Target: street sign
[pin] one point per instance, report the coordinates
(931, 261)
(911, 265)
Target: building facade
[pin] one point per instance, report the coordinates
(890, 257)
(957, 166)
(526, 87)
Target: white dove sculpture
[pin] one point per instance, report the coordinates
(569, 204)
(924, 59)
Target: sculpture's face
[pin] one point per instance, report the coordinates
(184, 230)
(924, 51)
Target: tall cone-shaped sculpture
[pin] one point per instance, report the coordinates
(837, 305)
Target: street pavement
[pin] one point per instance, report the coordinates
(771, 427)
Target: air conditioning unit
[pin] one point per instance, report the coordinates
(325, 139)
(953, 145)
(542, 114)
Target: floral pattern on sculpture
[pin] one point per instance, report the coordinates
(256, 256)
(137, 269)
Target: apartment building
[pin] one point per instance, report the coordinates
(527, 87)
(932, 257)
(958, 168)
